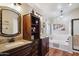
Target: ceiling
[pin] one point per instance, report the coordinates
(53, 9)
(48, 10)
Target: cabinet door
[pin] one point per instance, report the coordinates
(34, 50)
(45, 46)
(27, 26)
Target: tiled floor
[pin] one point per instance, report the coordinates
(57, 52)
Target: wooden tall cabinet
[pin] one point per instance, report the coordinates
(31, 31)
(31, 27)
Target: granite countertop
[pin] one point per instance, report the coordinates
(8, 46)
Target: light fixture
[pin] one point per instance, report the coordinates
(17, 6)
(70, 4)
(61, 13)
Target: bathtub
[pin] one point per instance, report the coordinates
(62, 39)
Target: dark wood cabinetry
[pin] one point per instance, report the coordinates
(24, 50)
(31, 27)
(31, 31)
(44, 46)
(27, 27)
(35, 46)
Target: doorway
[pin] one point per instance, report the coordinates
(75, 34)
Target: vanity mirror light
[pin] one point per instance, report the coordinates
(10, 22)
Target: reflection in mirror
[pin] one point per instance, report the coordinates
(10, 22)
(75, 34)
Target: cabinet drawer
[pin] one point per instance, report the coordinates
(45, 46)
(20, 50)
(23, 52)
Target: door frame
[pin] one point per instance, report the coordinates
(73, 33)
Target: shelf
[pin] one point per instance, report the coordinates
(34, 33)
(35, 24)
(35, 20)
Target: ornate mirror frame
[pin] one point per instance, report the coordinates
(19, 21)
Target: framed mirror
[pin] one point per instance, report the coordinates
(75, 34)
(10, 22)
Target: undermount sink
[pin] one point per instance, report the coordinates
(13, 44)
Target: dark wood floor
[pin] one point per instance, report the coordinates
(57, 52)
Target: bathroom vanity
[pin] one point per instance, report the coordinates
(25, 48)
(17, 48)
